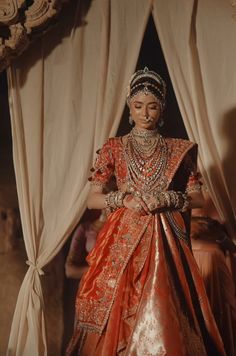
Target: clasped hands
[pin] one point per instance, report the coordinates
(164, 200)
(146, 206)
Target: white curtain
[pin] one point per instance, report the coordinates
(198, 41)
(66, 95)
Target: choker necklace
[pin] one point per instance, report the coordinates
(145, 135)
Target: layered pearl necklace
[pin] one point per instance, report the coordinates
(146, 157)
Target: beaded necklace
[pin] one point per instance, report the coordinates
(145, 149)
(145, 167)
(145, 135)
(144, 141)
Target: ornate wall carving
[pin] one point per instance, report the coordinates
(20, 21)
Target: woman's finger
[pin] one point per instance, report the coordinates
(143, 205)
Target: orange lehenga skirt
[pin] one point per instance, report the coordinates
(143, 294)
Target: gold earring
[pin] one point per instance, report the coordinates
(131, 121)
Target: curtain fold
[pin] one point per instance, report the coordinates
(198, 43)
(66, 96)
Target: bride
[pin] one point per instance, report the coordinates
(142, 294)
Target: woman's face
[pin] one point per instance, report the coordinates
(145, 110)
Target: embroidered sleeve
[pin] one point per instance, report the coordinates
(194, 183)
(103, 167)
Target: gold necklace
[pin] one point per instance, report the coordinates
(145, 135)
(145, 171)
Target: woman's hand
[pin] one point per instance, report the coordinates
(135, 204)
(168, 200)
(153, 204)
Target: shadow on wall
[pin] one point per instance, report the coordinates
(228, 130)
(229, 133)
(13, 269)
(72, 17)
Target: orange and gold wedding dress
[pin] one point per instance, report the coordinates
(143, 294)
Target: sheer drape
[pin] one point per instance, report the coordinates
(67, 94)
(198, 41)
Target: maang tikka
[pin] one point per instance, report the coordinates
(148, 82)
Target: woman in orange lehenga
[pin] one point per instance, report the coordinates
(143, 294)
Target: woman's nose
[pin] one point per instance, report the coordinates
(145, 111)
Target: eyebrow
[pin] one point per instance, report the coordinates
(140, 102)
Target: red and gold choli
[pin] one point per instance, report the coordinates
(142, 294)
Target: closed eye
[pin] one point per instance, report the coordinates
(153, 107)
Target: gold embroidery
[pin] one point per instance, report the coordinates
(93, 308)
(93, 313)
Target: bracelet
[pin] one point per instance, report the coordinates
(173, 199)
(114, 200)
(187, 200)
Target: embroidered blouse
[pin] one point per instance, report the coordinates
(111, 162)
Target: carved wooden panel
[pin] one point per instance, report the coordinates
(9, 10)
(19, 19)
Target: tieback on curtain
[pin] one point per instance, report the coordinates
(35, 267)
